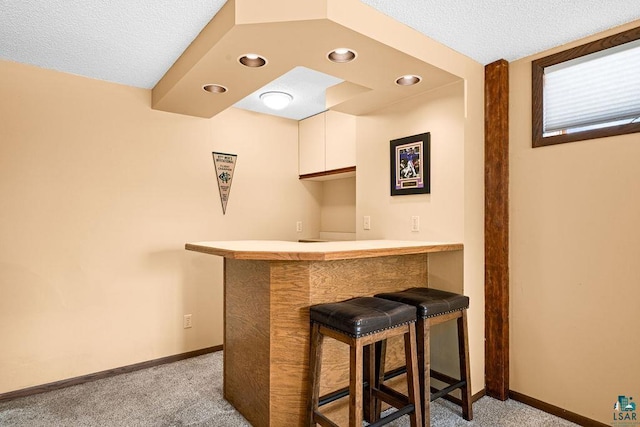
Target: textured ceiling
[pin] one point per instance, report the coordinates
(135, 42)
(488, 30)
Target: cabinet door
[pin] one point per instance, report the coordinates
(311, 138)
(340, 140)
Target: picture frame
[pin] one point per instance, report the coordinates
(410, 159)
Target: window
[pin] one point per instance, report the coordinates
(587, 92)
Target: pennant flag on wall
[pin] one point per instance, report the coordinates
(225, 164)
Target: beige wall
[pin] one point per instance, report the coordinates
(574, 263)
(99, 194)
(442, 213)
(440, 112)
(338, 210)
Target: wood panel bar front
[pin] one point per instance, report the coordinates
(266, 330)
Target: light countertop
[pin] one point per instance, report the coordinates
(273, 250)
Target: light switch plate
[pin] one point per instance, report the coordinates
(415, 223)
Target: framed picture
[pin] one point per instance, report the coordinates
(410, 158)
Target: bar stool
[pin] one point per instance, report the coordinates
(435, 307)
(361, 323)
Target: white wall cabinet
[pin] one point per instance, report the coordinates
(311, 141)
(326, 142)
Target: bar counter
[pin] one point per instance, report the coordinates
(268, 288)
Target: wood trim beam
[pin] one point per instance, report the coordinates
(330, 174)
(555, 410)
(496, 227)
(105, 374)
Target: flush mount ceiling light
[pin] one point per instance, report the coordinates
(408, 80)
(341, 55)
(252, 60)
(276, 100)
(214, 88)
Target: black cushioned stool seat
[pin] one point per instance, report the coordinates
(361, 323)
(429, 302)
(433, 307)
(362, 316)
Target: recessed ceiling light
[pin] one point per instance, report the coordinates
(342, 55)
(214, 88)
(276, 100)
(252, 60)
(408, 80)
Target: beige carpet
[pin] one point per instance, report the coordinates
(189, 393)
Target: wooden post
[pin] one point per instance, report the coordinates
(496, 228)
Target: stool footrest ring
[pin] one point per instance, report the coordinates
(394, 415)
(391, 396)
(322, 420)
(447, 390)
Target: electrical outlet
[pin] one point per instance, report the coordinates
(186, 322)
(415, 223)
(299, 226)
(366, 222)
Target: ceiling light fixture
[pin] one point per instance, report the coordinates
(408, 80)
(252, 60)
(342, 55)
(276, 100)
(214, 88)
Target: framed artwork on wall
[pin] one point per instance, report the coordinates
(410, 165)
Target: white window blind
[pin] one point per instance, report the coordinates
(596, 90)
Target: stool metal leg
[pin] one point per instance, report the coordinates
(380, 357)
(355, 384)
(315, 365)
(370, 378)
(413, 374)
(412, 369)
(424, 362)
(463, 350)
(464, 383)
